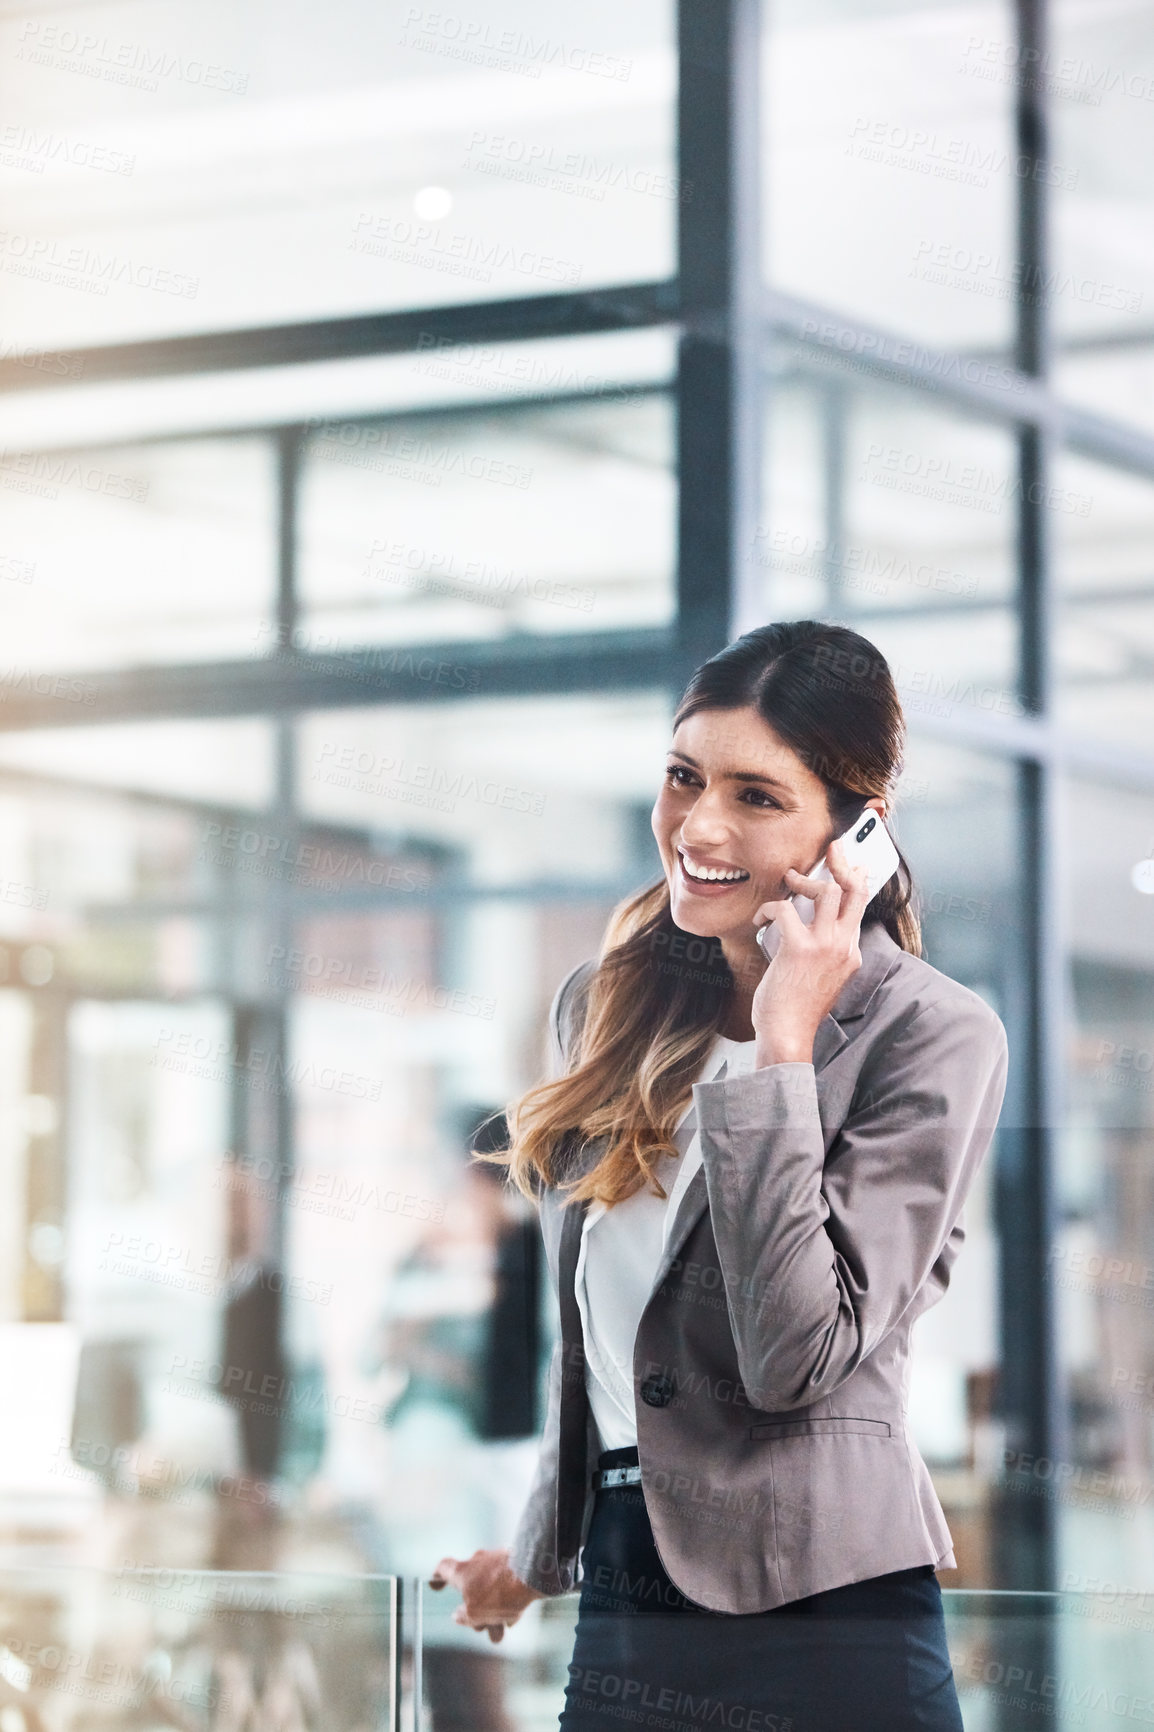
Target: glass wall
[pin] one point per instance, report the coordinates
(1102, 1271)
(900, 518)
(208, 168)
(446, 526)
(894, 120)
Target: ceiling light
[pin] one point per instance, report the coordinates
(432, 203)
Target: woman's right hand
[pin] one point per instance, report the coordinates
(811, 964)
(492, 1597)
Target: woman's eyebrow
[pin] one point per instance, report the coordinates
(736, 775)
(758, 776)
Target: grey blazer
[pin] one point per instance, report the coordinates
(772, 1358)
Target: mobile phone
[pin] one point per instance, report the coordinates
(866, 843)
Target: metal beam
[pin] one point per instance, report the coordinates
(720, 379)
(832, 345)
(1116, 595)
(291, 680)
(521, 666)
(993, 390)
(446, 893)
(1026, 1540)
(826, 343)
(288, 475)
(632, 306)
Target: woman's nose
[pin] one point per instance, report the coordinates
(704, 826)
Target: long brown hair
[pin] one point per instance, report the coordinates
(658, 996)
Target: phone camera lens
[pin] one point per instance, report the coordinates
(865, 830)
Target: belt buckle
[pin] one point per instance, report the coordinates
(607, 1477)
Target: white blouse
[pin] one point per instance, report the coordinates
(621, 1250)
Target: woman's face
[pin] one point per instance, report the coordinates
(737, 802)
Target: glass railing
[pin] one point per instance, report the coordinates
(209, 1651)
(199, 1650)
(1062, 1662)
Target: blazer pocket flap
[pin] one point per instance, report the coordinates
(820, 1427)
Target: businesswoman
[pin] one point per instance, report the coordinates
(751, 1165)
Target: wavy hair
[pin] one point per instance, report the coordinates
(649, 1019)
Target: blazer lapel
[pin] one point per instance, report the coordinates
(569, 1246)
(573, 1409)
(689, 1212)
(879, 957)
(829, 1039)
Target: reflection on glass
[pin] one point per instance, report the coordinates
(219, 173)
(148, 1267)
(955, 822)
(433, 1015)
(1105, 636)
(994, 1643)
(18, 1120)
(523, 788)
(899, 520)
(891, 166)
(554, 519)
(1099, 78)
(201, 1650)
(133, 554)
(1102, 1271)
(226, 763)
(1114, 378)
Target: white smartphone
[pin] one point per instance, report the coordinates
(866, 843)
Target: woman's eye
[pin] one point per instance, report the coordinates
(758, 797)
(678, 775)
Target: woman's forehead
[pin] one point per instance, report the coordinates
(740, 743)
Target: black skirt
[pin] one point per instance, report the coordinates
(868, 1657)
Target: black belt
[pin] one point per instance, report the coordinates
(610, 1476)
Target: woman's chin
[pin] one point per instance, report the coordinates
(700, 922)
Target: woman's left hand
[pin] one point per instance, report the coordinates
(812, 963)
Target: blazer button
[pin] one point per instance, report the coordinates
(657, 1391)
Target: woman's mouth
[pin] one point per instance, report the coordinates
(708, 878)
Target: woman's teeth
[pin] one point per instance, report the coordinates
(712, 874)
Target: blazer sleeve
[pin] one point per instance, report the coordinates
(533, 1549)
(821, 1255)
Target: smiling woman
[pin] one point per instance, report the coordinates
(779, 742)
(751, 1166)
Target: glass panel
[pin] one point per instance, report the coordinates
(209, 168)
(1104, 648)
(21, 1112)
(1102, 1271)
(545, 520)
(147, 1269)
(531, 1666)
(142, 896)
(1019, 1660)
(898, 520)
(611, 364)
(136, 554)
(521, 790)
(1099, 75)
(537, 811)
(216, 762)
(198, 1649)
(81, 867)
(244, 1057)
(1116, 379)
(955, 820)
(892, 120)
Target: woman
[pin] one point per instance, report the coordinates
(751, 1167)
